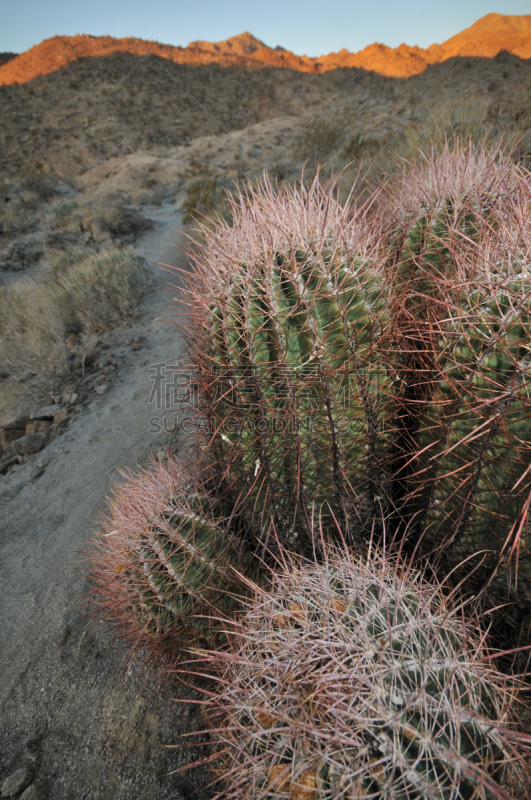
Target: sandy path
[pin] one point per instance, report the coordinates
(70, 715)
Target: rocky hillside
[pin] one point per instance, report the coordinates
(486, 38)
(115, 105)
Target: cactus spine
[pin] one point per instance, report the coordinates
(289, 319)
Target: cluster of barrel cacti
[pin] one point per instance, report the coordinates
(363, 372)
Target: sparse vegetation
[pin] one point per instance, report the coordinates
(347, 446)
(80, 292)
(202, 196)
(318, 137)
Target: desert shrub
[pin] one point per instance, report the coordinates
(105, 214)
(89, 294)
(101, 291)
(63, 207)
(317, 138)
(202, 196)
(30, 325)
(16, 216)
(359, 146)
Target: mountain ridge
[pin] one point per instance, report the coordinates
(485, 38)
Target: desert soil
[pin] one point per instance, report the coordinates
(78, 721)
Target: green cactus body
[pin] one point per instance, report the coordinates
(302, 392)
(462, 309)
(186, 563)
(166, 568)
(476, 432)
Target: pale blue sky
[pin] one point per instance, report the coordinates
(311, 27)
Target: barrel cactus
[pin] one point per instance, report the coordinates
(356, 678)
(165, 567)
(460, 255)
(288, 331)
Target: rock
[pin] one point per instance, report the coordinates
(25, 376)
(16, 782)
(33, 792)
(7, 463)
(104, 363)
(42, 463)
(57, 399)
(61, 416)
(68, 391)
(46, 412)
(13, 430)
(74, 398)
(101, 389)
(35, 474)
(38, 426)
(108, 369)
(31, 443)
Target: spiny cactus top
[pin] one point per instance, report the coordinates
(289, 317)
(461, 259)
(165, 564)
(355, 678)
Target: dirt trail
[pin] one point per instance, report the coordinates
(71, 716)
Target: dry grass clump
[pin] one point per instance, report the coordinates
(102, 216)
(63, 207)
(84, 293)
(17, 215)
(101, 291)
(202, 196)
(483, 122)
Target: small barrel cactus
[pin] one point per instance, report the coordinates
(356, 678)
(164, 569)
(288, 317)
(460, 260)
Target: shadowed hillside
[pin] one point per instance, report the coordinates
(486, 38)
(98, 108)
